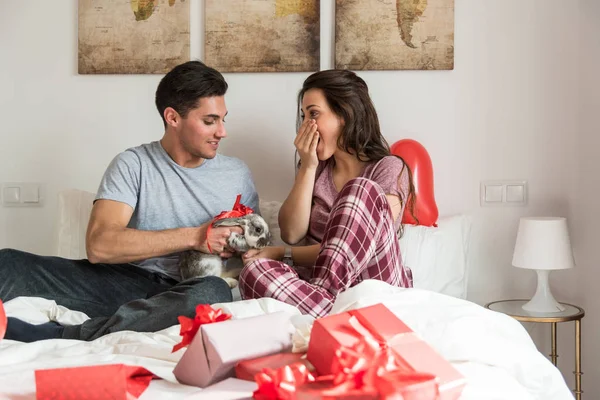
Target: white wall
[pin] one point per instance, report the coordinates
(507, 111)
(584, 200)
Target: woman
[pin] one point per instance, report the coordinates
(346, 204)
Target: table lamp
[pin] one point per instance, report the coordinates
(543, 245)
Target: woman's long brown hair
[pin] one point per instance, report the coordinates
(348, 97)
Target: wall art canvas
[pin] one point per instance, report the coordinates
(262, 36)
(394, 34)
(132, 36)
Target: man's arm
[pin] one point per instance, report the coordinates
(109, 241)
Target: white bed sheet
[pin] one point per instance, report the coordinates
(493, 351)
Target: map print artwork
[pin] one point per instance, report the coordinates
(394, 34)
(263, 36)
(133, 36)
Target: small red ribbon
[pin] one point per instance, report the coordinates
(281, 383)
(238, 210)
(3, 320)
(205, 314)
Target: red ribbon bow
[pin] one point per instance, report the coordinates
(3, 320)
(378, 370)
(238, 210)
(369, 367)
(371, 364)
(205, 314)
(281, 383)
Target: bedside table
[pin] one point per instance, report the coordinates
(571, 313)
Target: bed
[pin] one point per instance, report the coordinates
(493, 351)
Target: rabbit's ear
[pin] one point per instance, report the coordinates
(230, 222)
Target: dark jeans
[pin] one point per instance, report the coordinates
(116, 297)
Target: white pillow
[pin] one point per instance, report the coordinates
(438, 256)
(74, 209)
(270, 212)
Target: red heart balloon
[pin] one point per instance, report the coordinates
(3, 320)
(417, 158)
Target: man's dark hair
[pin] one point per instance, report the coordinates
(184, 86)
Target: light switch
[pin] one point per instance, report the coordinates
(503, 193)
(493, 193)
(515, 193)
(11, 195)
(31, 193)
(22, 194)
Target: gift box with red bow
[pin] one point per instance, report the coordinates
(217, 347)
(374, 336)
(368, 377)
(390, 386)
(248, 369)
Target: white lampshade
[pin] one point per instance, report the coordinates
(543, 243)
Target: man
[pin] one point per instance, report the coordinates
(154, 201)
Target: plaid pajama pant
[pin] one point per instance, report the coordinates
(359, 243)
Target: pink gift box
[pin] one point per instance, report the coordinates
(218, 347)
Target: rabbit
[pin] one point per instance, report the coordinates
(256, 235)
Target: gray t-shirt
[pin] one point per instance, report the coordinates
(165, 195)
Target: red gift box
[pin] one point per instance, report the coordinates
(338, 331)
(325, 390)
(295, 382)
(248, 369)
(113, 381)
(390, 386)
(281, 383)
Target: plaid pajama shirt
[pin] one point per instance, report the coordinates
(359, 243)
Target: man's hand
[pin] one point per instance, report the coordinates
(217, 240)
(270, 252)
